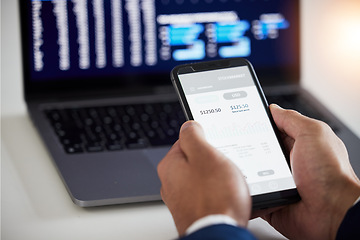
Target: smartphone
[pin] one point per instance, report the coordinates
(225, 97)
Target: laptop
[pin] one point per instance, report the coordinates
(97, 85)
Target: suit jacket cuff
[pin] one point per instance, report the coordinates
(220, 232)
(349, 227)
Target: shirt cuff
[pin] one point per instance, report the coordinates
(209, 221)
(357, 200)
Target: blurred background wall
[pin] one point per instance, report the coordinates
(331, 56)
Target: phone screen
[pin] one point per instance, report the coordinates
(228, 105)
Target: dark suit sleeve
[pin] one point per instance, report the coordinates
(220, 232)
(350, 226)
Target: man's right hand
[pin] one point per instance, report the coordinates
(324, 177)
(198, 180)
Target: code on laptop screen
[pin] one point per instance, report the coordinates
(81, 38)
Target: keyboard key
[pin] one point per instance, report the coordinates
(94, 147)
(76, 148)
(136, 143)
(114, 146)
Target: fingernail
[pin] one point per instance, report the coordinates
(274, 105)
(187, 124)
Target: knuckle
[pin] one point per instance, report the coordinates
(317, 128)
(313, 125)
(320, 127)
(292, 113)
(160, 167)
(162, 192)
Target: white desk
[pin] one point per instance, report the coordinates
(34, 202)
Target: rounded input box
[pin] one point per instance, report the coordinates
(235, 95)
(207, 99)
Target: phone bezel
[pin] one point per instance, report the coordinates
(260, 201)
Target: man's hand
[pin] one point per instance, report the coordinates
(323, 175)
(197, 180)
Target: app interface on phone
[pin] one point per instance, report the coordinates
(227, 104)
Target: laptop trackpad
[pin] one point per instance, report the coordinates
(155, 155)
(114, 175)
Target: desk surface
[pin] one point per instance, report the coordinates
(34, 202)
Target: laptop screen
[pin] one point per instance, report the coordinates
(82, 43)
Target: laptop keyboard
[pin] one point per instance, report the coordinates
(115, 128)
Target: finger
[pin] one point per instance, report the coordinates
(192, 126)
(193, 143)
(175, 156)
(173, 161)
(264, 212)
(287, 141)
(290, 122)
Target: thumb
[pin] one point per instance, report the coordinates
(291, 122)
(193, 142)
